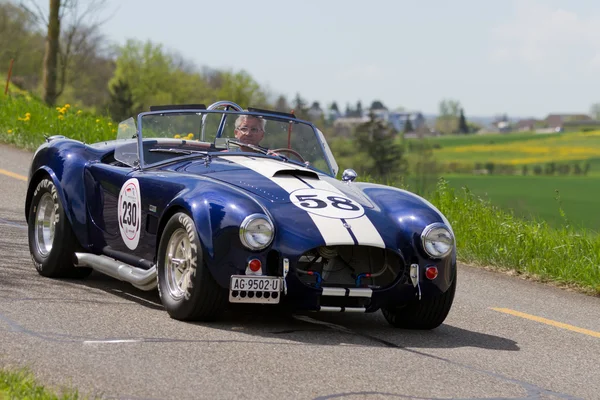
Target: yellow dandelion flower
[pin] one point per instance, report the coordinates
(190, 135)
(57, 108)
(114, 130)
(177, 136)
(110, 124)
(97, 121)
(78, 111)
(62, 110)
(67, 105)
(27, 115)
(61, 117)
(9, 131)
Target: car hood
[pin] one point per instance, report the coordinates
(274, 180)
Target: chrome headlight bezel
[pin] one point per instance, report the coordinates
(245, 227)
(426, 239)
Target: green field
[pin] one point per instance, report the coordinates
(535, 197)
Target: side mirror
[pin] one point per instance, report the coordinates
(349, 175)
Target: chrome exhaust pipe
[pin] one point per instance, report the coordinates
(140, 278)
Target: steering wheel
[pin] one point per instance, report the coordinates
(284, 150)
(225, 104)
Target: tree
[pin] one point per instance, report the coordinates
(334, 107)
(408, 126)
(300, 109)
(377, 105)
(51, 53)
(67, 24)
(281, 104)
(595, 111)
(462, 123)
(384, 154)
(359, 110)
(21, 41)
(448, 118)
(121, 104)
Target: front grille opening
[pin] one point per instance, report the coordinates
(273, 265)
(349, 266)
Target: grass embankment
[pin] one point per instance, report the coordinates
(489, 236)
(486, 235)
(25, 120)
(22, 385)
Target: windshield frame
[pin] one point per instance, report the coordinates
(319, 137)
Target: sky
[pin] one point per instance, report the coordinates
(525, 58)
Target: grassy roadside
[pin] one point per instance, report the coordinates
(22, 385)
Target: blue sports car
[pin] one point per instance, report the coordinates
(218, 205)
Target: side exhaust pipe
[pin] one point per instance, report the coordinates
(140, 278)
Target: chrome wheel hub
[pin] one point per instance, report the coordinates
(45, 220)
(178, 263)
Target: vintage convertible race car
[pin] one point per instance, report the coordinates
(217, 205)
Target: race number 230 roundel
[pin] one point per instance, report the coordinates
(130, 213)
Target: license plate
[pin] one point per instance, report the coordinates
(255, 289)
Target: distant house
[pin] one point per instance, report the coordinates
(558, 120)
(344, 126)
(527, 124)
(398, 119)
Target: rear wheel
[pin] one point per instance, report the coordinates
(187, 289)
(422, 314)
(52, 242)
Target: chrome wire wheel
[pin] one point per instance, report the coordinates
(45, 220)
(178, 263)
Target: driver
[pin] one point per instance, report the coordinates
(250, 129)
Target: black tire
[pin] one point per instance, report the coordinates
(202, 299)
(424, 314)
(58, 261)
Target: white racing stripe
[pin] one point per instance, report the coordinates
(332, 229)
(362, 227)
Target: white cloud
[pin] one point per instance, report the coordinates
(542, 36)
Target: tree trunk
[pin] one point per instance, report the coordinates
(51, 56)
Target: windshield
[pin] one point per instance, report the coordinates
(170, 134)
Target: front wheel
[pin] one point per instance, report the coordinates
(52, 242)
(424, 314)
(186, 287)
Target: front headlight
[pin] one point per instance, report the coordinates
(437, 240)
(256, 231)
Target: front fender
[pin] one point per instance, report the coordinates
(218, 211)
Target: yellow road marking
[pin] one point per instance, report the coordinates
(548, 322)
(13, 175)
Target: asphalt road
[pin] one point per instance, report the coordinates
(505, 338)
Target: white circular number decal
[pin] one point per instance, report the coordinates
(326, 203)
(130, 213)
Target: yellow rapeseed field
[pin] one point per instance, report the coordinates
(560, 148)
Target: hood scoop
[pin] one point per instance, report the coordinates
(296, 172)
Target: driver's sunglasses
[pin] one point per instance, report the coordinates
(245, 129)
